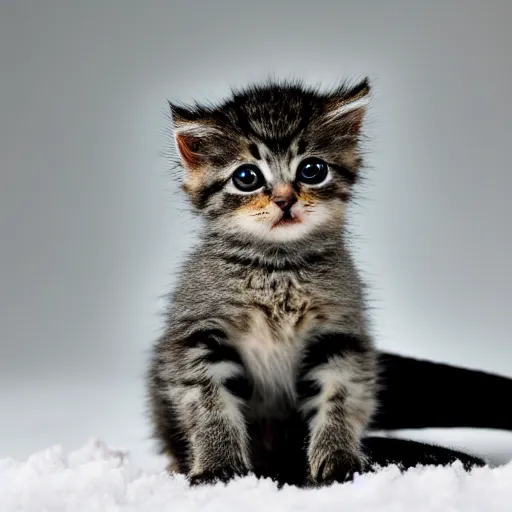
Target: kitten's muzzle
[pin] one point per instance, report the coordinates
(285, 202)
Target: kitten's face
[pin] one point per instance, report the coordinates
(274, 163)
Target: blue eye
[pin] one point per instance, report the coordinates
(248, 178)
(312, 171)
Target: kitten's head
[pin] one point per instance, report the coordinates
(275, 162)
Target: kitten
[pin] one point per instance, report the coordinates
(266, 364)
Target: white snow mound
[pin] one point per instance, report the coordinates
(98, 478)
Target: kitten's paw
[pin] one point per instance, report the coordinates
(210, 477)
(336, 466)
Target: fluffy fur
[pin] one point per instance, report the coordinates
(266, 364)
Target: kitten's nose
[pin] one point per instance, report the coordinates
(284, 202)
(284, 197)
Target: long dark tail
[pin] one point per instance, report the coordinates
(408, 454)
(424, 394)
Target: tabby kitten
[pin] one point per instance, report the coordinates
(266, 364)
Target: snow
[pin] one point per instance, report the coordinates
(99, 478)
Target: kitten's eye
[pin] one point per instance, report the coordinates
(248, 178)
(312, 171)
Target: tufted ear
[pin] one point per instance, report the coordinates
(191, 131)
(347, 106)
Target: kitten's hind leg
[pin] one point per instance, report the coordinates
(200, 390)
(422, 394)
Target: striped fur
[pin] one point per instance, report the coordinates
(266, 363)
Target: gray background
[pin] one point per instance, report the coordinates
(92, 231)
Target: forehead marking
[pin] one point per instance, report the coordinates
(255, 152)
(278, 167)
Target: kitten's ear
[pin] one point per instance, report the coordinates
(190, 132)
(347, 106)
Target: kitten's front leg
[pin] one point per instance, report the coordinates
(208, 391)
(336, 396)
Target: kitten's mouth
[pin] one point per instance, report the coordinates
(286, 220)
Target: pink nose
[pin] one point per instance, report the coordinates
(284, 202)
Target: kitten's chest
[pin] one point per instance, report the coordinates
(279, 314)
